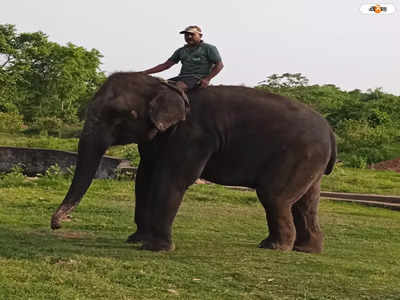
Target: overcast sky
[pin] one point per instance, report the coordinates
(327, 41)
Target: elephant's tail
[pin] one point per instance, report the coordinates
(332, 160)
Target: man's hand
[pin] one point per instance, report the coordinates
(204, 82)
(214, 71)
(159, 68)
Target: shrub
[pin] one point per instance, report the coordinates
(11, 122)
(131, 153)
(46, 124)
(54, 172)
(14, 178)
(360, 144)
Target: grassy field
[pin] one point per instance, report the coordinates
(216, 234)
(363, 181)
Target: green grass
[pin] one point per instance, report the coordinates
(363, 181)
(216, 233)
(65, 144)
(44, 142)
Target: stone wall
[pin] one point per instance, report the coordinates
(37, 161)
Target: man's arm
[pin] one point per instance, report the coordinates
(159, 68)
(214, 71)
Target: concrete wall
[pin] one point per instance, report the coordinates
(37, 161)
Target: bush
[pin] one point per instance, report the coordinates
(131, 153)
(11, 122)
(54, 172)
(14, 178)
(360, 144)
(45, 125)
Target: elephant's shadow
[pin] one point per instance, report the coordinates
(59, 246)
(42, 243)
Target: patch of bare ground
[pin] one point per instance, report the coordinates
(392, 165)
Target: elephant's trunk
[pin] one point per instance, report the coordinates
(92, 146)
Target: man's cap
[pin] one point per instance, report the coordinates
(192, 29)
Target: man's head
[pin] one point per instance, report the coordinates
(192, 34)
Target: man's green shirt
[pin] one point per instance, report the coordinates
(197, 60)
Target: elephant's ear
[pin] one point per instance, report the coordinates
(167, 109)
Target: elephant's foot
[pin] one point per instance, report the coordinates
(268, 243)
(138, 237)
(158, 245)
(312, 244)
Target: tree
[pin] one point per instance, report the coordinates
(7, 77)
(286, 80)
(44, 79)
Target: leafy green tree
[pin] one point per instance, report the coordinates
(7, 77)
(286, 80)
(321, 98)
(44, 79)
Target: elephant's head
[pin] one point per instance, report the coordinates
(128, 108)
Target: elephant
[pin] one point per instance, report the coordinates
(229, 135)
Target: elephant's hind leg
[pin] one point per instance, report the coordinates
(282, 231)
(309, 237)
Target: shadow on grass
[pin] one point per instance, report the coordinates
(33, 244)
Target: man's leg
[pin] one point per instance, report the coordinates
(182, 86)
(186, 83)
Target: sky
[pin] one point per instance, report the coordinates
(330, 42)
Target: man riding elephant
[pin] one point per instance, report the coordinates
(200, 61)
(231, 135)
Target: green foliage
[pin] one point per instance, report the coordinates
(54, 172)
(362, 144)
(51, 178)
(54, 177)
(44, 124)
(11, 122)
(131, 153)
(13, 178)
(285, 80)
(44, 79)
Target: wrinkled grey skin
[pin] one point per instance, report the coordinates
(230, 135)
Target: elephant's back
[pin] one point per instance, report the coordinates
(237, 104)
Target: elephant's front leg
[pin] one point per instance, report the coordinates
(175, 173)
(167, 199)
(142, 203)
